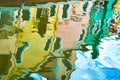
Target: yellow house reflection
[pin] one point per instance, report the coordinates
(34, 54)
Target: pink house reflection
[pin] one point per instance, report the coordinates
(70, 28)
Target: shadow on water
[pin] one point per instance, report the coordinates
(5, 64)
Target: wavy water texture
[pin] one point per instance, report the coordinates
(105, 67)
(73, 40)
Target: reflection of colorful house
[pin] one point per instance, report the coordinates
(69, 31)
(45, 31)
(7, 30)
(32, 41)
(99, 24)
(29, 35)
(7, 38)
(114, 25)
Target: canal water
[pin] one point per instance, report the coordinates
(74, 40)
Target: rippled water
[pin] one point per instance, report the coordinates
(43, 40)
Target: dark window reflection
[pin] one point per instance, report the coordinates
(57, 44)
(38, 13)
(43, 22)
(48, 44)
(52, 10)
(65, 11)
(26, 15)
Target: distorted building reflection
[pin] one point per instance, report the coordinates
(43, 39)
(98, 26)
(8, 31)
